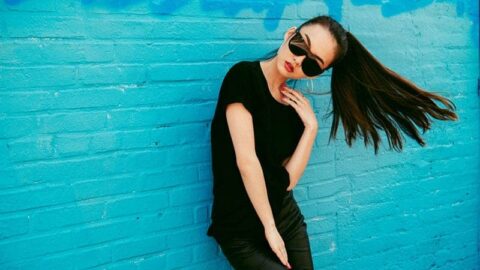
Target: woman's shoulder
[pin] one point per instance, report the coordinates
(244, 64)
(241, 68)
(239, 85)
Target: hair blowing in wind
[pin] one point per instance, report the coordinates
(368, 96)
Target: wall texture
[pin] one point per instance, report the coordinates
(105, 110)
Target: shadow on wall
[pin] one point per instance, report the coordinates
(274, 11)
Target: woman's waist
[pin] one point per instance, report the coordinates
(289, 214)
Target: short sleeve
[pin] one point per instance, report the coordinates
(296, 132)
(236, 87)
(298, 128)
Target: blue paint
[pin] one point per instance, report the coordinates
(167, 7)
(231, 8)
(460, 8)
(13, 2)
(275, 10)
(335, 9)
(395, 7)
(89, 132)
(113, 4)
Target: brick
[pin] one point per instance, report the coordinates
(105, 110)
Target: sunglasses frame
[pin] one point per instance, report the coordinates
(310, 66)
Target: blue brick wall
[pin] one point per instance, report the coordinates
(104, 134)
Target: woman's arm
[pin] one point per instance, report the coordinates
(297, 163)
(299, 159)
(240, 125)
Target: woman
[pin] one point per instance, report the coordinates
(263, 131)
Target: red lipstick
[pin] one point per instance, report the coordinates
(288, 66)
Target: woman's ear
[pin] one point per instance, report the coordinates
(289, 33)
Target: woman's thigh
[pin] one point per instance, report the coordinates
(298, 249)
(250, 254)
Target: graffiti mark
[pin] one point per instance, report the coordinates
(394, 7)
(391, 8)
(113, 4)
(335, 9)
(13, 2)
(274, 9)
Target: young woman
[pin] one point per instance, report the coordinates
(262, 134)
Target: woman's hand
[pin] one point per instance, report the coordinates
(301, 105)
(277, 245)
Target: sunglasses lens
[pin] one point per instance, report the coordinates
(296, 50)
(311, 68)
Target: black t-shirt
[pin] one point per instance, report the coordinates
(277, 130)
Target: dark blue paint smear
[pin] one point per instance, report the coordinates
(13, 2)
(395, 7)
(231, 8)
(335, 9)
(275, 9)
(112, 4)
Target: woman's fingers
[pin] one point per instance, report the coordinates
(290, 96)
(282, 255)
(278, 246)
(297, 96)
(302, 105)
(285, 255)
(292, 102)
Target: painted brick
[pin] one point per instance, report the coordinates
(105, 110)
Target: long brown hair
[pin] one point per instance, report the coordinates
(368, 96)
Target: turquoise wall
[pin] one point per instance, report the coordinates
(105, 110)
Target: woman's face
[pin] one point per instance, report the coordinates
(319, 42)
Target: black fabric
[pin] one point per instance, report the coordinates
(277, 130)
(255, 253)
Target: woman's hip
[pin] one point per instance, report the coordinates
(290, 217)
(255, 253)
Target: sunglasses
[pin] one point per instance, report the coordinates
(298, 47)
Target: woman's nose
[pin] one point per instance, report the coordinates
(298, 60)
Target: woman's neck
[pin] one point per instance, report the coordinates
(273, 77)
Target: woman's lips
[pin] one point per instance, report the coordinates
(288, 66)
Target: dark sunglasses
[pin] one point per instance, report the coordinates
(298, 47)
